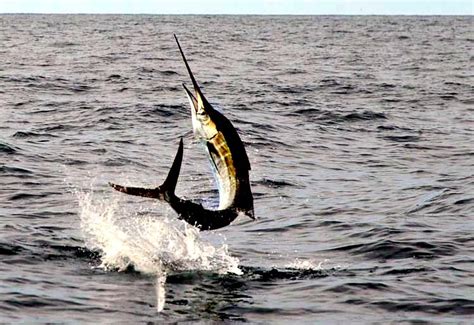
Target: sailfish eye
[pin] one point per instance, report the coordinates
(202, 114)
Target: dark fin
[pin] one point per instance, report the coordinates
(164, 191)
(250, 214)
(138, 191)
(172, 179)
(213, 154)
(195, 84)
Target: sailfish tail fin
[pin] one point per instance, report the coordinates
(169, 185)
(166, 190)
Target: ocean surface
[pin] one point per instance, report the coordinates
(360, 134)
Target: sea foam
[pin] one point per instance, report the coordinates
(151, 244)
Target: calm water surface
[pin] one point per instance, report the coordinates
(360, 135)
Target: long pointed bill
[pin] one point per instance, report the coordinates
(199, 95)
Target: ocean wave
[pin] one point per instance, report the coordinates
(8, 149)
(384, 249)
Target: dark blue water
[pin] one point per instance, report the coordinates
(360, 135)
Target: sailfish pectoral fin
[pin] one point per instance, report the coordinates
(163, 192)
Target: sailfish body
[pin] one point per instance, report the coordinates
(225, 149)
(228, 159)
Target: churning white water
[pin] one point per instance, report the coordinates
(151, 244)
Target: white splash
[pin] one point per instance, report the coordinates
(160, 292)
(306, 265)
(153, 245)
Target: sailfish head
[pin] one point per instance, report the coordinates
(201, 110)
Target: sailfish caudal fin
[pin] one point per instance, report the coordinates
(166, 190)
(171, 180)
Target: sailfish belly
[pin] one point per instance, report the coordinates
(225, 172)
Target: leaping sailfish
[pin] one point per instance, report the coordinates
(228, 159)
